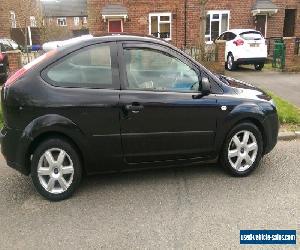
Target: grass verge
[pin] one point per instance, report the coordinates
(289, 115)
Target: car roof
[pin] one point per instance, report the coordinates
(239, 31)
(111, 37)
(125, 36)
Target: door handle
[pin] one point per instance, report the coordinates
(134, 108)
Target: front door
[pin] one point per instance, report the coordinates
(115, 26)
(261, 22)
(163, 116)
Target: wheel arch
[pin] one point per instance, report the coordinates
(45, 136)
(251, 113)
(45, 127)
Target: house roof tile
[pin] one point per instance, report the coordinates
(65, 8)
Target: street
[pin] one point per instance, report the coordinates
(285, 85)
(194, 207)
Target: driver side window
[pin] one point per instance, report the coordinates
(149, 69)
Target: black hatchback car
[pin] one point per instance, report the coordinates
(123, 102)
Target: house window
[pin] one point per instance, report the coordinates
(62, 21)
(160, 25)
(32, 21)
(85, 20)
(13, 19)
(289, 22)
(76, 21)
(216, 23)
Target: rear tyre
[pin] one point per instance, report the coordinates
(259, 66)
(231, 65)
(56, 169)
(242, 150)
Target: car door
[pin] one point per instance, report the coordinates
(87, 89)
(164, 117)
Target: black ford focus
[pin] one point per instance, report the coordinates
(116, 103)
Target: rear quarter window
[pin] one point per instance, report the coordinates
(251, 35)
(90, 67)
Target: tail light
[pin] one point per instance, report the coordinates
(15, 77)
(238, 42)
(21, 72)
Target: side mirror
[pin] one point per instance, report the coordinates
(205, 86)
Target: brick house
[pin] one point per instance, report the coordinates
(71, 14)
(4, 19)
(178, 20)
(16, 14)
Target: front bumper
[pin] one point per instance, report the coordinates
(271, 129)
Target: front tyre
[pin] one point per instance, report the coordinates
(56, 169)
(242, 150)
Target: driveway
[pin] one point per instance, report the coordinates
(183, 208)
(285, 85)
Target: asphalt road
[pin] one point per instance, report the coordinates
(183, 208)
(285, 85)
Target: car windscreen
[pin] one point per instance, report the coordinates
(251, 35)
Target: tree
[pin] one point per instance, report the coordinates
(202, 20)
(49, 31)
(24, 9)
(199, 52)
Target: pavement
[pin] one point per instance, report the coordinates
(179, 208)
(285, 85)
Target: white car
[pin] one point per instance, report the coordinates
(244, 46)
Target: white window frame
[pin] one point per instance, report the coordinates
(76, 21)
(85, 20)
(32, 21)
(13, 19)
(61, 18)
(109, 20)
(158, 15)
(220, 13)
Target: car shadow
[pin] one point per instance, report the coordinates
(91, 184)
(244, 68)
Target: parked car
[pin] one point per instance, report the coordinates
(9, 44)
(5, 45)
(117, 103)
(3, 67)
(244, 46)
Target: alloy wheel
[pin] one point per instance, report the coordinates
(242, 150)
(55, 171)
